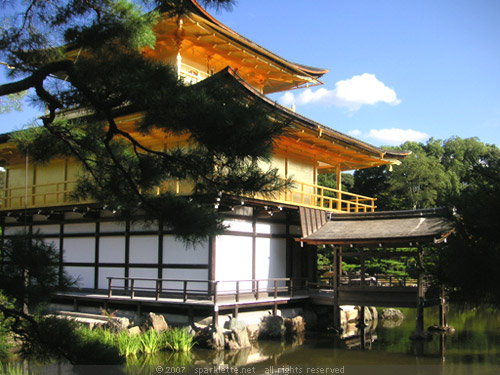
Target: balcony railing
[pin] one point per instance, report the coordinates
(301, 194)
(316, 196)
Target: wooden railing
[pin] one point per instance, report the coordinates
(39, 195)
(317, 196)
(371, 280)
(192, 75)
(301, 194)
(215, 291)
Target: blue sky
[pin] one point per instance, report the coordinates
(399, 69)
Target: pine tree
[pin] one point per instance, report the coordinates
(84, 60)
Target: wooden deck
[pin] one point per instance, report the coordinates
(231, 296)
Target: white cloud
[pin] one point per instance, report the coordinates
(393, 136)
(352, 93)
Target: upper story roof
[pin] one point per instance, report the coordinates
(312, 140)
(200, 37)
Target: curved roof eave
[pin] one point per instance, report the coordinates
(311, 124)
(305, 69)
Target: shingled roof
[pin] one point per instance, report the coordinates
(389, 228)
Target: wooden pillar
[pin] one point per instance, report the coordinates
(362, 278)
(361, 320)
(339, 188)
(215, 316)
(420, 294)
(336, 283)
(443, 323)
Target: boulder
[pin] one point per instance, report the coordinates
(253, 331)
(157, 322)
(116, 324)
(295, 325)
(391, 314)
(272, 328)
(238, 337)
(343, 317)
(374, 312)
(211, 337)
(311, 319)
(351, 315)
(134, 330)
(368, 314)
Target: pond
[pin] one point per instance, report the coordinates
(474, 348)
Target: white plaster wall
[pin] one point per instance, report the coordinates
(83, 275)
(143, 249)
(233, 261)
(185, 274)
(239, 225)
(175, 251)
(105, 272)
(79, 228)
(46, 229)
(142, 226)
(9, 231)
(270, 260)
(107, 227)
(151, 273)
(270, 228)
(52, 240)
(80, 250)
(112, 249)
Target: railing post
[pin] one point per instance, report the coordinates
(257, 290)
(216, 283)
(185, 290)
(357, 204)
(110, 281)
(132, 292)
(238, 291)
(275, 288)
(157, 289)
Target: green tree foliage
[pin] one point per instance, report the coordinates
(11, 102)
(469, 264)
(29, 272)
(330, 180)
(462, 175)
(87, 55)
(433, 172)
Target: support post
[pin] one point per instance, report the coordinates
(419, 333)
(215, 316)
(442, 310)
(336, 283)
(362, 278)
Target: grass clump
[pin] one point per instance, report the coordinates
(12, 368)
(151, 341)
(128, 344)
(178, 340)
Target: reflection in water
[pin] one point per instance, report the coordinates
(476, 342)
(473, 349)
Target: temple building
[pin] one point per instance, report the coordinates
(264, 253)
